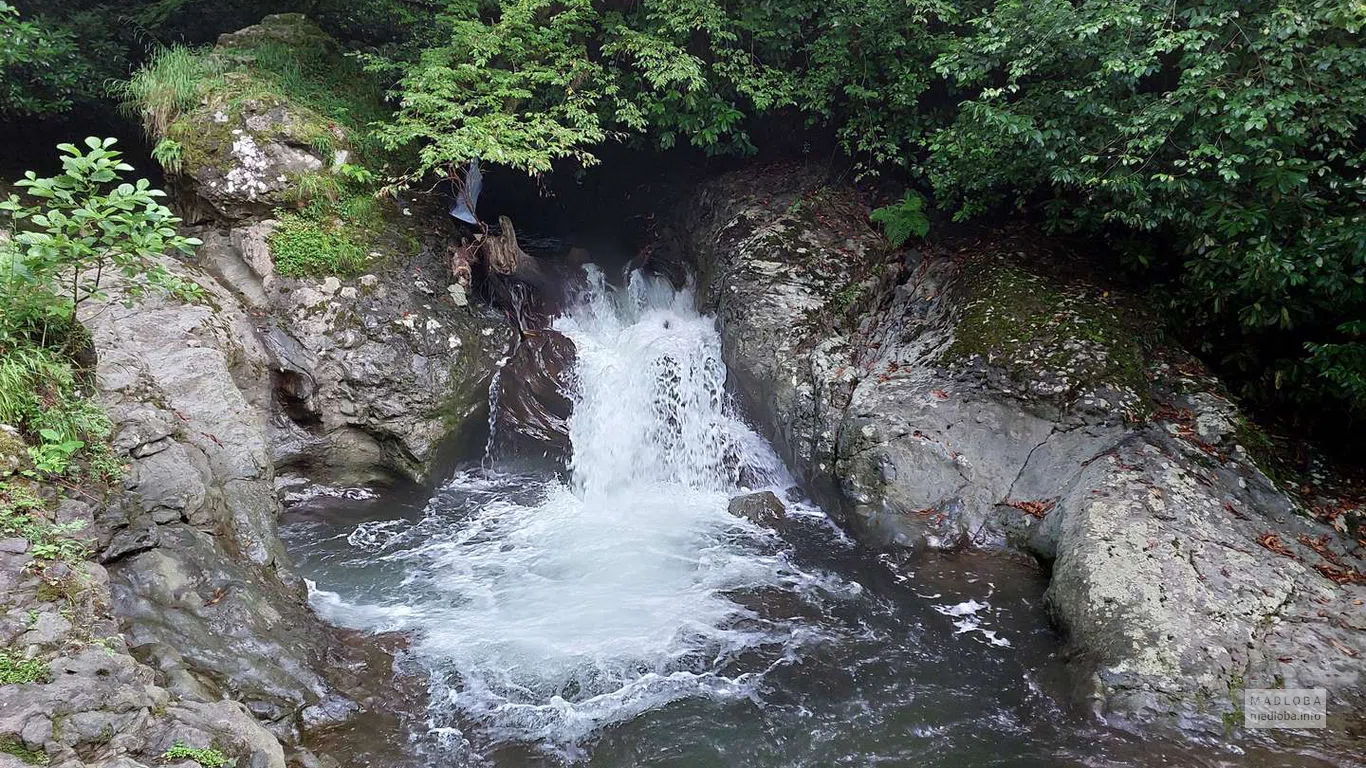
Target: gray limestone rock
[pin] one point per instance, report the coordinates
(983, 393)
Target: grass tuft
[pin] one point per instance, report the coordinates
(172, 83)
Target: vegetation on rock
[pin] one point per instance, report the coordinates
(56, 253)
(206, 757)
(18, 670)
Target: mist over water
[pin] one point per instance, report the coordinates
(618, 615)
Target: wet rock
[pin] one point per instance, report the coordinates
(533, 397)
(762, 508)
(368, 375)
(192, 549)
(984, 393)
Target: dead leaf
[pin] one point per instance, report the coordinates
(1273, 542)
(1349, 651)
(1035, 509)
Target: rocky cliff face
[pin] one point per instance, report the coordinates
(983, 394)
(368, 374)
(188, 627)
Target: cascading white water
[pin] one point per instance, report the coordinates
(621, 617)
(550, 611)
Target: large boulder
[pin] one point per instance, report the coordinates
(985, 393)
(199, 578)
(368, 373)
(248, 145)
(373, 351)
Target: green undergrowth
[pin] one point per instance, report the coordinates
(26, 755)
(22, 515)
(17, 670)
(206, 757)
(304, 247)
(45, 397)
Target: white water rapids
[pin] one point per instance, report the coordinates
(553, 609)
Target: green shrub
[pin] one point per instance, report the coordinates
(41, 69)
(304, 247)
(82, 226)
(207, 757)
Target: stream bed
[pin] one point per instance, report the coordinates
(617, 614)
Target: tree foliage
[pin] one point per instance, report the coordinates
(1231, 129)
(41, 67)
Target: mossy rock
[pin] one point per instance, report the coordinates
(1047, 339)
(291, 29)
(13, 451)
(279, 118)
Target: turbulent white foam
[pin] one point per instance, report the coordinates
(966, 616)
(546, 618)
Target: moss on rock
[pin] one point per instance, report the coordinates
(274, 115)
(1052, 339)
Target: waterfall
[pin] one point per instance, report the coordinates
(547, 608)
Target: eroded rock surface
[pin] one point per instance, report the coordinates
(198, 576)
(984, 394)
(370, 373)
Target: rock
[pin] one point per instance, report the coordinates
(762, 508)
(533, 397)
(192, 548)
(13, 451)
(983, 392)
(14, 546)
(245, 149)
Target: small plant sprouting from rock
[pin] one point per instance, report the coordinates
(21, 515)
(171, 154)
(902, 219)
(17, 670)
(207, 757)
(26, 755)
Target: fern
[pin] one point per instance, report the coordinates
(901, 220)
(171, 154)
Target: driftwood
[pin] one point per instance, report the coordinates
(462, 257)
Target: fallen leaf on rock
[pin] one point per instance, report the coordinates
(1340, 574)
(1035, 509)
(1273, 542)
(1349, 651)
